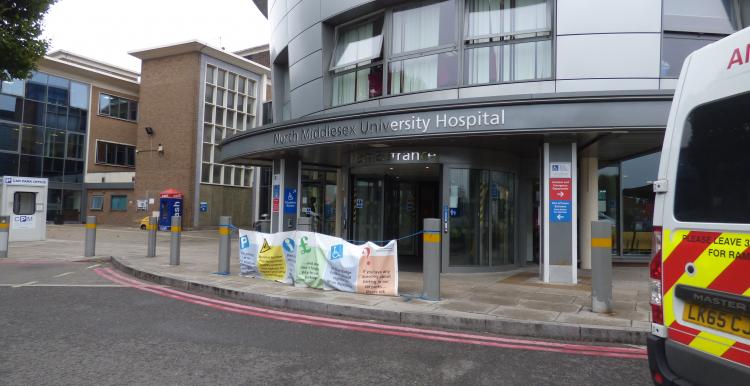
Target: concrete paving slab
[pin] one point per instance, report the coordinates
(590, 318)
(473, 307)
(525, 314)
(548, 306)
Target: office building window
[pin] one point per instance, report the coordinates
(97, 202)
(507, 41)
(677, 47)
(115, 154)
(357, 61)
(117, 107)
(24, 203)
(229, 109)
(13, 87)
(423, 46)
(118, 204)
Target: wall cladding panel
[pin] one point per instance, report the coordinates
(608, 56)
(608, 16)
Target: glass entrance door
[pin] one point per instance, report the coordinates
(481, 209)
(367, 209)
(318, 200)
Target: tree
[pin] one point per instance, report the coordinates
(20, 44)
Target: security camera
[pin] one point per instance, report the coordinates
(160, 148)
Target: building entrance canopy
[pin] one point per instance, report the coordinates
(420, 122)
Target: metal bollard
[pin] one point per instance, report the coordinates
(90, 248)
(431, 259)
(225, 244)
(4, 235)
(152, 226)
(601, 266)
(174, 250)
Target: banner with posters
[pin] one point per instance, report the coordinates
(319, 261)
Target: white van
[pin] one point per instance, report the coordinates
(700, 272)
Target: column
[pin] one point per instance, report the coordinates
(560, 233)
(588, 205)
(284, 194)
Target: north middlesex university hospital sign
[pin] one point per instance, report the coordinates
(607, 114)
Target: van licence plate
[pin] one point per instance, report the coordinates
(730, 323)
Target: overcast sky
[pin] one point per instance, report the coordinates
(106, 30)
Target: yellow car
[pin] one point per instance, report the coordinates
(144, 223)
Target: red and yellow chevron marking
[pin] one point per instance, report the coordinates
(721, 262)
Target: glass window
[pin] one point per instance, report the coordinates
(77, 119)
(609, 201)
(115, 154)
(32, 140)
(424, 26)
(493, 18)
(53, 169)
(206, 172)
(97, 202)
(221, 78)
(54, 144)
(13, 87)
(230, 119)
(57, 116)
(8, 164)
(709, 186)
(75, 146)
(118, 204)
(209, 94)
(30, 166)
(24, 203)
(11, 108)
(79, 95)
(240, 103)
(71, 205)
(36, 89)
(9, 137)
(241, 84)
(358, 85)
(709, 16)
(73, 171)
(638, 203)
(424, 73)
(357, 44)
(208, 113)
(247, 172)
(508, 62)
(104, 104)
(33, 112)
(117, 107)
(210, 74)
(230, 81)
(133, 111)
(676, 48)
(57, 92)
(217, 174)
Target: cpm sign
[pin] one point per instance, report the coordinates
(737, 57)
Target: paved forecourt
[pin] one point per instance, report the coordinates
(513, 302)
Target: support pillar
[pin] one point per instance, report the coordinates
(588, 205)
(285, 189)
(559, 182)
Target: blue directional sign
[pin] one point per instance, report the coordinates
(560, 211)
(290, 200)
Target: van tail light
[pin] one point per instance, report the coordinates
(655, 273)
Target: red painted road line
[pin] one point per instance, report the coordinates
(389, 327)
(612, 352)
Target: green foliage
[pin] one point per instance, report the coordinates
(20, 44)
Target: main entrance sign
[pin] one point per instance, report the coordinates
(392, 125)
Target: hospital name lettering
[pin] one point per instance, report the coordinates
(411, 125)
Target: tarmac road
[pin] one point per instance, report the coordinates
(68, 323)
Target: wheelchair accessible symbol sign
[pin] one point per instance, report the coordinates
(337, 251)
(290, 200)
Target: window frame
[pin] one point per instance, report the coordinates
(128, 104)
(125, 145)
(17, 203)
(507, 39)
(118, 196)
(100, 199)
(340, 71)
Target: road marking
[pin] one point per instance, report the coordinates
(383, 329)
(64, 274)
(93, 266)
(24, 284)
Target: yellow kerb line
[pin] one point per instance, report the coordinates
(601, 242)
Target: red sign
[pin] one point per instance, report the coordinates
(559, 189)
(275, 204)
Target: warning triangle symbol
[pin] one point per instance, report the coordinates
(265, 247)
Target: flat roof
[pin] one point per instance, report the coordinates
(198, 46)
